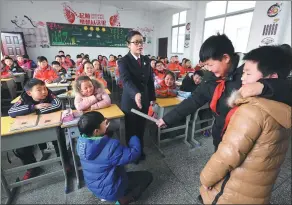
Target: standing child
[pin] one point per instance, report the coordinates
(167, 87)
(90, 94)
(45, 72)
(36, 98)
(103, 160)
(245, 167)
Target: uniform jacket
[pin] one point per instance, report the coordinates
(275, 89)
(136, 79)
(245, 167)
(26, 105)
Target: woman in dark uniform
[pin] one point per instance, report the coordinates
(138, 86)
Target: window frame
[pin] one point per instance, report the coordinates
(177, 26)
(225, 15)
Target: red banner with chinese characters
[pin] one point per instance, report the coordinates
(84, 18)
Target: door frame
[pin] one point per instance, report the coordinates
(166, 46)
(13, 32)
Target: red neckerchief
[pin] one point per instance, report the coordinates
(217, 94)
(227, 119)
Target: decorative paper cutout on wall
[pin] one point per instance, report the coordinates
(115, 20)
(35, 33)
(84, 18)
(274, 10)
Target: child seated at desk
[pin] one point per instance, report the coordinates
(57, 66)
(78, 60)
(70, 61)
(5, 72)
(173, 65)
(103, 159)
(11, 66)
(112, 61)
(186, 68)
(24, 64)
(90, 94)
(45, 72)
(80, 68)
(167, 87)
(159, 73)
(191, 81)
(66, 63)
(89, 71)
(36, 98)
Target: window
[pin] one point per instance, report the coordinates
(178, 32)
(232, 18)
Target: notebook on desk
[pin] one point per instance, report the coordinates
(49, 119)
(23, 122)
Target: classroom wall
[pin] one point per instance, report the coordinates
(48, 11)
(196, 15)
(260, 19)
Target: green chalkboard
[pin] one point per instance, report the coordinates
(86, 35)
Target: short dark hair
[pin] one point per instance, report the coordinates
(199, 72)
(25, 56)
(131, 34)
(186, 60)
(111, 55)
(61, 51)
(176, 56)
(8, 58)
(62, 56)
(271, 59)
(168, 72)
(78, 56)
(57, 56)
(56, 63)
(68, 55)
(158, 62)
(33, 82)
(81, 53)
(42, 58)
(90, 121)
(215, 47)
(120, 56)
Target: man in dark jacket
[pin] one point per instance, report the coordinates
(217, 53)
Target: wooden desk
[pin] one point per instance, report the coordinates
(112, 113)
(11, 86)
(58, 86)
(164, 105)
(11, 140)
(167, 102)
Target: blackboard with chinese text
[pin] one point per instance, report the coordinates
(86, 35)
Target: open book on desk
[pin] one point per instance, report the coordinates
(49, 119)
(24, 122)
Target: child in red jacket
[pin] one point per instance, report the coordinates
(112, 61)
(159, 73)
(45, 72)
(186, 68)
(167, 87)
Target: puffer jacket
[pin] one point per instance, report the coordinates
(99, 99)
(246, 165)
(103, 160)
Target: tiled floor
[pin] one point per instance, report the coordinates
(176, 178)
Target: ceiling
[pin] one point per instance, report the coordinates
(151, 6)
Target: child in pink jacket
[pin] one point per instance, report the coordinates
(90, 95)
